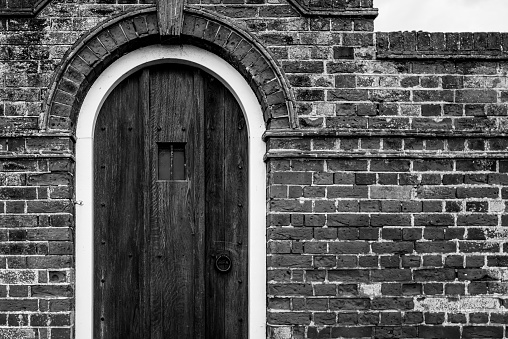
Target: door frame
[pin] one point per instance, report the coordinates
(101, 88)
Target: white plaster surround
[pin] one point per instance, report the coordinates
(113, 75)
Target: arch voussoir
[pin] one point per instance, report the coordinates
(92, 54)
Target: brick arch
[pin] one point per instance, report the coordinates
(128, 32)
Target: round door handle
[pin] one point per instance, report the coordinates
(223, 263)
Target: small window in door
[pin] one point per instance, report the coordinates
(171, 161)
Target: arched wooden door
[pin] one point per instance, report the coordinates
(170, 209)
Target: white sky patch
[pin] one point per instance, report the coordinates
(442, 15)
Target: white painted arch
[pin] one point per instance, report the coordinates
(113, 75)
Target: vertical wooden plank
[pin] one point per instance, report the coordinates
(176, 205)
(235, 218)
(118, 210)
(148, 183)
(197, 131)
(214, 187)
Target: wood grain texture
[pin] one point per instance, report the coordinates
(173, 282)
(119, 246)
(214, 187)
(147, 177)
(235, 216)
(226, 212)
(197, 130)
(170, 230)
(170, 16)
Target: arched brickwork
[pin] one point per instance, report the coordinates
(93, 53)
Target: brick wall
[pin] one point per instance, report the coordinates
(386, 205)
(36, 237)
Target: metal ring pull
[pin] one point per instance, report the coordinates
(223, 263)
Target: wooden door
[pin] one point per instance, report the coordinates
(170, 210)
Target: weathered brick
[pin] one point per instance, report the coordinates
(390, 165)
(477, 192)
(391, 192)
(280, 233)
(353, 247)
(51, 291)
(291, 261)
(351, 332)
(290, 289)
(477, 220)
(353, 276)
(434, 275)
(390, 220)
(436, 247)
(18, 305)
(434, 220)
(436, 192)
(348, 220)
(482, 331)
(439, 332)
(288, 205)
(393, 247)
(350, 192)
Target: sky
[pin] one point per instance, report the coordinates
(442, 15)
